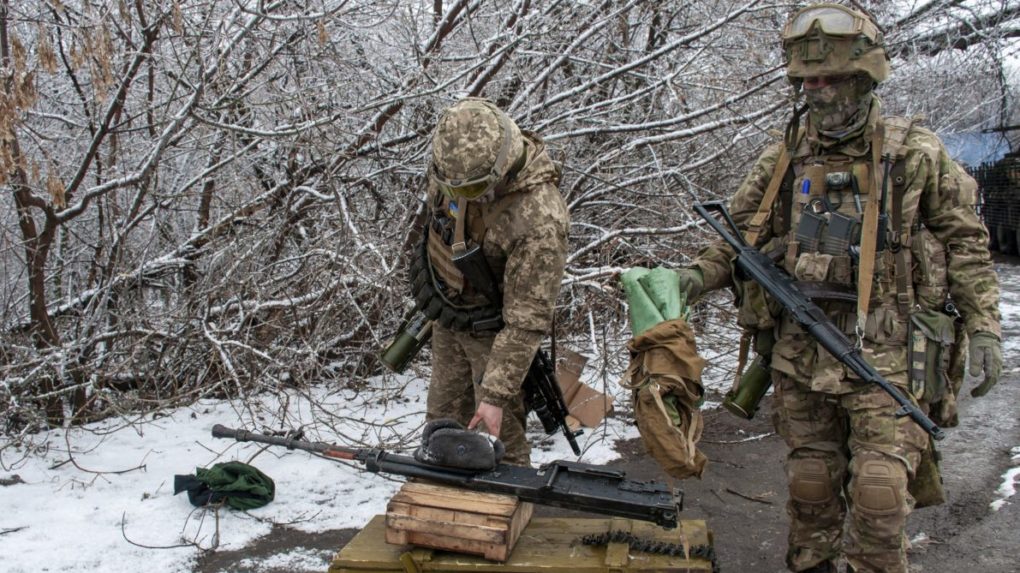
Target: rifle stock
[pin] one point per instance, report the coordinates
(757, 267)
(570, 485)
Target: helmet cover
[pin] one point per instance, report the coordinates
(474, 146)
(833, 40)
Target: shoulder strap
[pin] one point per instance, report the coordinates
(756, 225)
(897, 129)
(869, 233)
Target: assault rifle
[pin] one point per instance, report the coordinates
(544, 397)
(570, 485)
(756, 266)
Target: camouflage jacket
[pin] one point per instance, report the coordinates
(948, 249)
(524, 238)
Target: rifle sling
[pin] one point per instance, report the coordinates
(869, 232)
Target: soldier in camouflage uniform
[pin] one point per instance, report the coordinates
(849, 453)
(494, 187)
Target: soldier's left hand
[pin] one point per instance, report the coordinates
(985, 358)
(491, 415)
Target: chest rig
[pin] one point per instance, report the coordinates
(830, 222)
(439, 285)
(840, 232)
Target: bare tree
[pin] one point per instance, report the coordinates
(218, 198)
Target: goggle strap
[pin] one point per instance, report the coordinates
(499, 166)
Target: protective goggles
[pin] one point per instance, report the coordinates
(831, 20)
(466, 188)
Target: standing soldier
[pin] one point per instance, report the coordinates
(489, 268)
(876, 223)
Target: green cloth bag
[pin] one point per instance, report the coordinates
(235, 484)
(663, 287)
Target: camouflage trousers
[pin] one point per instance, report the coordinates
(848, 468)
(458, 363)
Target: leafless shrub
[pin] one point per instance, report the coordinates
(218, 198)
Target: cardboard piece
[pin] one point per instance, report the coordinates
(587, 405)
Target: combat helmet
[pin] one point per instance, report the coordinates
(833, 40)
(474, 149)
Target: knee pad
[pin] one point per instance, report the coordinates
(878, 487)
(810, 481)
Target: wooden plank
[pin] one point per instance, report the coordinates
(451, 529)
(444, 515)
(418, 493)
(492, 551)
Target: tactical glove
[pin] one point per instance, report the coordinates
(986, 358)
(444, 442)
(692, 281)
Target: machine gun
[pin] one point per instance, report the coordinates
(756, 266)
(570, 485)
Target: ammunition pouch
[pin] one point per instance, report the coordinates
(475, 268)
(926, 484)
(427, 290)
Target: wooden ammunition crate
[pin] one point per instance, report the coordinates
(441, 517)
(547, 545)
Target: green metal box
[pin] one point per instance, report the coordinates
(547, 545)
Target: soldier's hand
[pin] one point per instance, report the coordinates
(491, 415)
(692, 282)
(985, 358)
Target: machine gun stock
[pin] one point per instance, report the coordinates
(570, 485)
(756, 266)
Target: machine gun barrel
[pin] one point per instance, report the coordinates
(757, 267)
(569, 485)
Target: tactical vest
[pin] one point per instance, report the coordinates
(452, 228)
(817, 208)
(819, 229)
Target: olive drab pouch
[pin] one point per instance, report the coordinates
(926, 484)
(664, 376)
(933, 335)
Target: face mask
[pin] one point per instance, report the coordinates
(841, 107)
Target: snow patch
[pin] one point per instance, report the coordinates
(100, 498)
(1010, 479)
(297, 559)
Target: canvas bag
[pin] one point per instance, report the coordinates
(664, 376)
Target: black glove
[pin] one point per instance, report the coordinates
(444, 442)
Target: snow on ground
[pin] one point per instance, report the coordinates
(1010, 479)
(101, 498)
